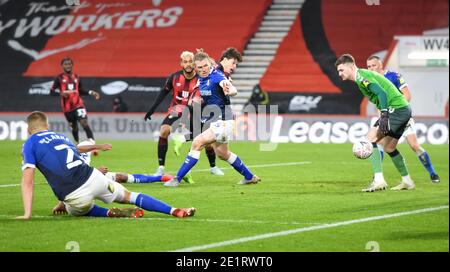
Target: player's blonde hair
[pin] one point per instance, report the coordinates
(201, 55)
(37, 120)
(185, 54)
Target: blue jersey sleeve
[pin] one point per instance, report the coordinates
(28, 156)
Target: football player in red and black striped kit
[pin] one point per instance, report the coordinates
(68, 86)
(181, 84)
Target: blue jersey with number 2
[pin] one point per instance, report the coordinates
(58, 160)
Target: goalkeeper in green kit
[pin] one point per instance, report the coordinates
(394, 118)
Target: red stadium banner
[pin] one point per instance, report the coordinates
(138, 38)
(118, 47)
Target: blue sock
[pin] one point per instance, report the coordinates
(149, 203)
(425, 160)
(189, 162)
(98, 211)
(138, 178)
(239, 166)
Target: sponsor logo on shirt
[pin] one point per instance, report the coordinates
(205, 92)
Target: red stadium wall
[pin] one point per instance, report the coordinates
(302, 77)
(139, 39)
(294, 69)
(352, 26)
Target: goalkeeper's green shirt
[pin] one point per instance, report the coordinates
(395, 99)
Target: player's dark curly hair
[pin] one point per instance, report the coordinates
(346, 58)
(66, 59)
(231, 53)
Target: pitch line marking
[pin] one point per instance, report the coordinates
(203, 170)
(18, 184)
(243, 221)
(305, 229)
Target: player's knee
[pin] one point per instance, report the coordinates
(223, 156)
(415, 147)
(123, 196)
(197, 144)
(164, 132)
(121, 178)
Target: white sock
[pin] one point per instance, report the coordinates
(232, 158)
(407, 179)
(379, 176)
(130, 178)
(420, 152)
(133, 197)
(194, 154)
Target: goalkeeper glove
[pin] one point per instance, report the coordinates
(384, 122)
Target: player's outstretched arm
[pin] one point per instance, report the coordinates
(89, 148)
(27, 192)
(162, 94)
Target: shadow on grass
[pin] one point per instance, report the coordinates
(437, 235)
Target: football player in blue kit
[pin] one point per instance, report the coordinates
(374, 63)
(76, 184)
(215, 90)
(120, 177)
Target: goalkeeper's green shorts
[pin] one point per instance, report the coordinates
(398, 121)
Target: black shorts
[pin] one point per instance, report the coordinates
(76, 115)
(195, 127)
(170, 119)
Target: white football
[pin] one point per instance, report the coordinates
(362, 149)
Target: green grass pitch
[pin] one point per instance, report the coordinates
(303, 186)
